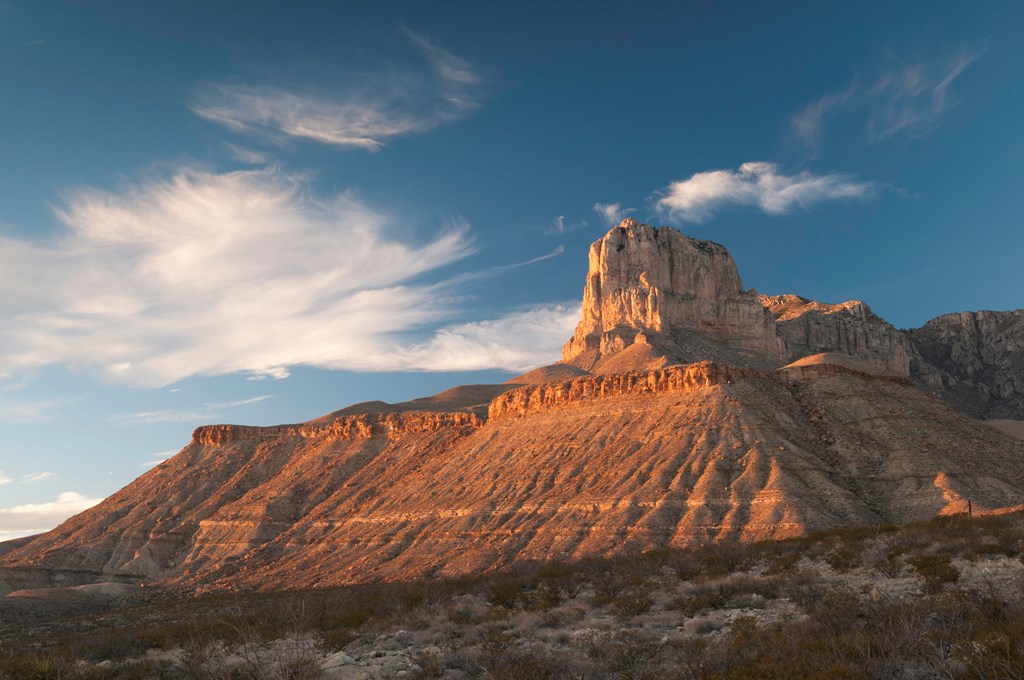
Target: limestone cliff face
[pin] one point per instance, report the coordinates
(551, 396)
(362, 426)
(808, 327)
(681, 296)
(974, 360)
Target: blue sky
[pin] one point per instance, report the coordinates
(259, 212)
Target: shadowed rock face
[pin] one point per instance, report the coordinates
(679, 296)
(974, 360)
(808, 327)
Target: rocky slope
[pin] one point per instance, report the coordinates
(591, 465)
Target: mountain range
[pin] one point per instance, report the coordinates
(685, 409)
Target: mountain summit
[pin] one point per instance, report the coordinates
(654, 296)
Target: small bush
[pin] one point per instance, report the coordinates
(607, 586)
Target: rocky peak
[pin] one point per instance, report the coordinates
(667, 297)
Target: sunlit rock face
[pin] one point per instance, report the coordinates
(655, 297)
(681, 297)
(974, 360)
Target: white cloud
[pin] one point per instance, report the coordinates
(755, 184)
(176, 416)
(157, 458)
(612, 213)
(272, 373)
(208, 274)
(4, 479)
(32, 518)
(37, 477)
(518, 341)
(351, 114)
(907, 97)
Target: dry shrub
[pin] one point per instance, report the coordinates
(632, 602)
(505, 591)
(936, 570)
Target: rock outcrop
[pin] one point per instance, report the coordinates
(655, 297)
(680, 299)
(974, 360)
(808, 327)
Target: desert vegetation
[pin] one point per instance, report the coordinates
(938, 599)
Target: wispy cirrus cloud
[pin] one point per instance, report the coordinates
(26, 410)
(38, 477)
(204, 413)
(157, 458)
(34, 518)
(907, 97)
(759, 185)
(560, 225)
(247, 156)
(361, 113)
(27, 479)
(201, 273)
(515, 265)
(612, 213)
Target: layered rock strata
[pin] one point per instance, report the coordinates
(655, 297)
